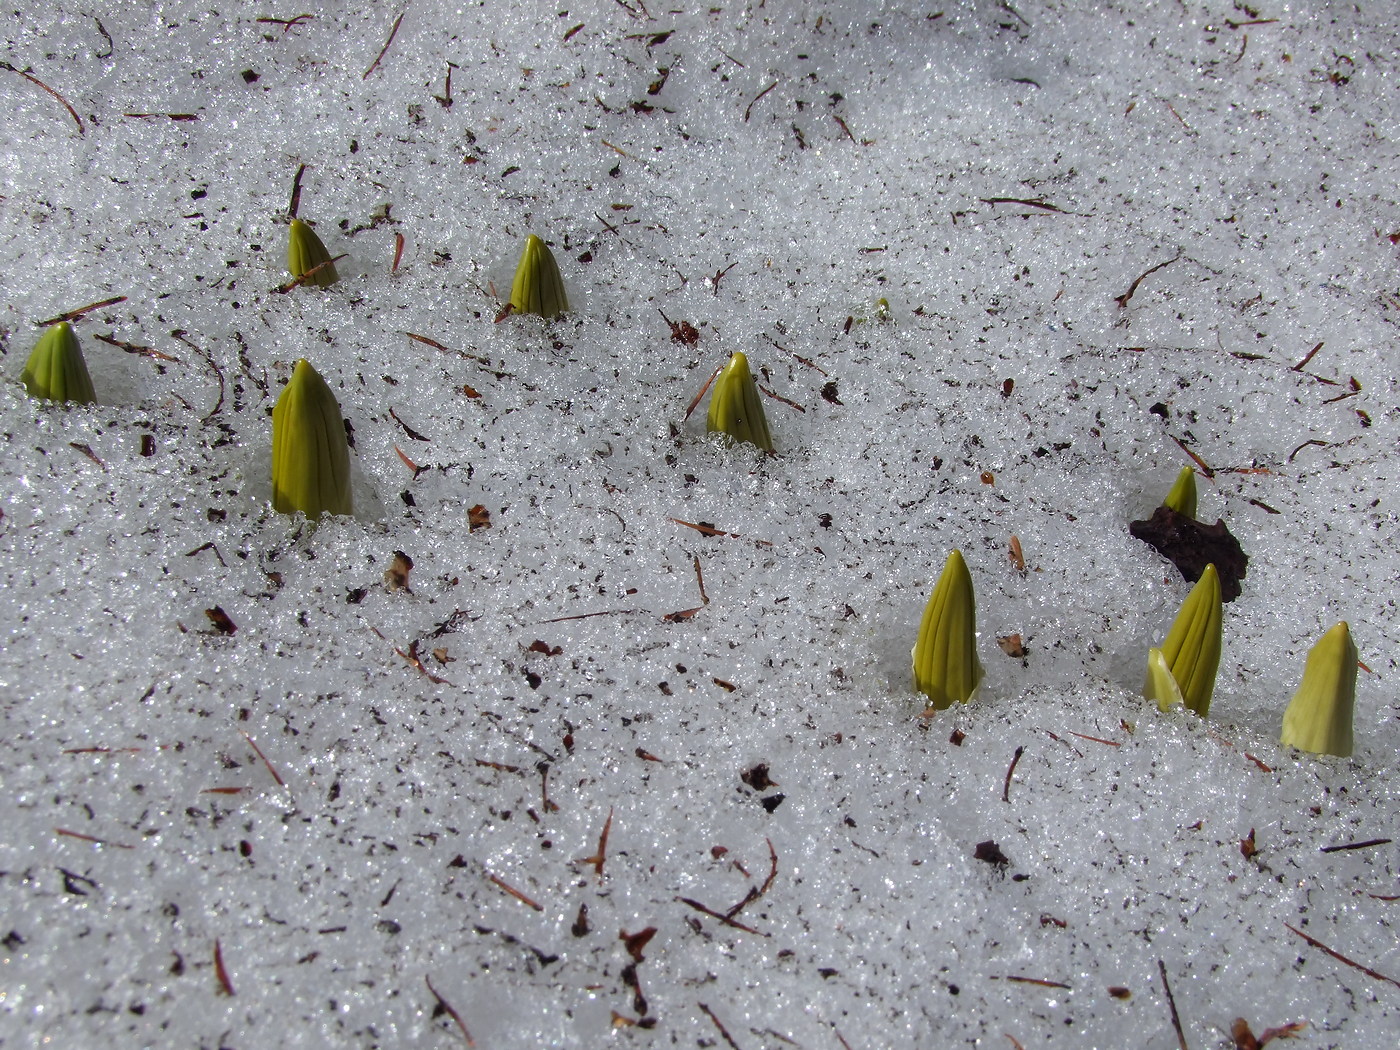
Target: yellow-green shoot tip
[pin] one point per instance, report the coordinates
(1182, 497)
(1183, 670)
(735, 407)
(310, 453)
(56, 369)
(538, 288)
(305, 252)
(1318, 718)
(946, 668)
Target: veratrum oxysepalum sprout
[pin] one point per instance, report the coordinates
(305, 252)
(1183, 670)
(946, 668)
(1182, 497)
(56, 369)
(310, 453)
(1318, 718)
(735, 407)
(538, 288)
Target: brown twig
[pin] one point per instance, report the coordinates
(417, 662)
(720, 274)
(1171, 1003)
(1061, 740)
(727, 920)
(497, 765)
(392, 33)
(722, 1030)
(295, 204)
(601, 856)
(1305, 444)
(452, 1013)
(287, 24)
(799, 357)
(691, 407)
(1122, 300)
(1039, 981)
(297, 282)
(220, 971)
(398, 252)
(275, 775)
(409, 463)
(35, 80)
(1342, 958)
(587, 616)
(1006, 787)
(1310, 355)
(1096, 739)
(749, 109)
(445, 99)
(1355, 845)
(90, 838)
(136, 348)
(208, 545)
(408, 429)
(73, 315)
(1261, 765)
(1038, 203)
(1205, 467)
(705, 530)
(1177, 115)
(773, 869)
(1018, 557)
(546, 803)
(514, 892)
(426, 341)
(779, 397)
(87, 451)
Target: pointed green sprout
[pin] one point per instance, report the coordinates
(735, 408)
(310, 454)
(305, 252)
(1182, 497)
(1183, 670)
(946, 668)
(56, 369)
(538, 288)
(1318, 718)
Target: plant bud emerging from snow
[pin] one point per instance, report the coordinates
(1183, 670)
(1318, 718)
(946, 668)
(735, 407)
(310, 453)
(538, 288)
(305, 252)
(1182, 497)
(56, 369)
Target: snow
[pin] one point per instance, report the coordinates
(340, 812)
